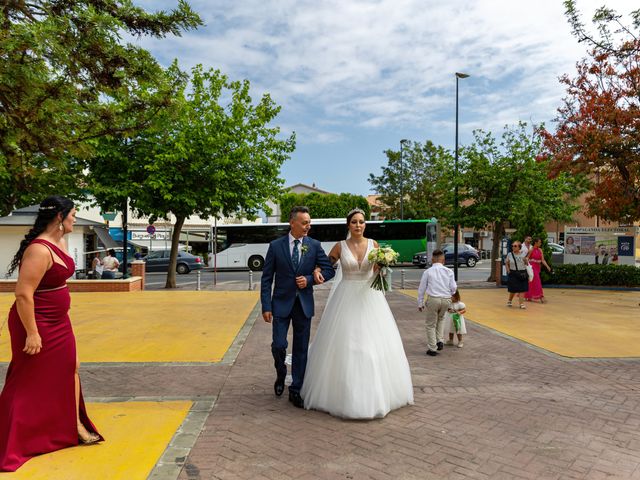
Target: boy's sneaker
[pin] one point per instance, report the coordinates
(449, 343)
(460, 345)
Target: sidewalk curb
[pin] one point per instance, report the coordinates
(172, 460)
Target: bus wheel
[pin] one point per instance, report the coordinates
(256, 262)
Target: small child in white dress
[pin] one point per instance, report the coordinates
(454, 320)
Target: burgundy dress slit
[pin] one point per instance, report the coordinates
(37, 404)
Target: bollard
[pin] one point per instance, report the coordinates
(198, 280)
(402, 279)
(250, 280)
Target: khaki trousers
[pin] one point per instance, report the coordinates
(436, 307)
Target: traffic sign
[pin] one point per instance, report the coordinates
(151, 229)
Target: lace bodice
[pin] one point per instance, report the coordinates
(349, 263)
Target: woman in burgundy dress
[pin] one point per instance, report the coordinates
(41, 405)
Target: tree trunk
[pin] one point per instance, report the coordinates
(498, 233)
(175, 241)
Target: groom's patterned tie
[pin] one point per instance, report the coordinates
(295, 256)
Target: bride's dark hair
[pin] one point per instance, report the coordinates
(47, 213)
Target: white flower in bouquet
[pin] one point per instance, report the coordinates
(383, 257)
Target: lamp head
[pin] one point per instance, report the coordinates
(462, 75)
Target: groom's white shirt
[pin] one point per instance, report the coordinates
(291, 240)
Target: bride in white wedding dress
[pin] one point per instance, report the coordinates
(357, 367)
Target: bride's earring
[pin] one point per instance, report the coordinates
(60, 227)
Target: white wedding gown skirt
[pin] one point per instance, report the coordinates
(357, 367)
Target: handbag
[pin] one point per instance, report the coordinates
(530, 272)
(519, 274)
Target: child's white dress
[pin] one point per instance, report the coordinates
(448, 320)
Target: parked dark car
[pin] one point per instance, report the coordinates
(158, 261)
(467, 255)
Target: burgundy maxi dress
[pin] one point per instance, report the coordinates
(37, 404)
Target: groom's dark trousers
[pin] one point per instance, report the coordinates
(301, 331)
(290, 304)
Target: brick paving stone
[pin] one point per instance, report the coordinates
(497, 409)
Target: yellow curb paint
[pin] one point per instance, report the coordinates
(152, 326)
(136, 434)
(574, 323)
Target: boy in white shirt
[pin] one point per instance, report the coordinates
(439, 284)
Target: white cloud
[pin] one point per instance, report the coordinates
(387, 63)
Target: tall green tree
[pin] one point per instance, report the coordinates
(215, 153)
(331, 205)
(501, 183)
(66, 76)
(424, 176)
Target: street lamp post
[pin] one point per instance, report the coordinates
(597, 169)
(402, 142)
(456, 233)
(125, 234)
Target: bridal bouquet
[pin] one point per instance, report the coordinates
(384, 257)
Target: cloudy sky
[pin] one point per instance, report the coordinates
(354, 77)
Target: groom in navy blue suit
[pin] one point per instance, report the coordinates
(291, 260)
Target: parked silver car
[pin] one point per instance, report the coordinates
(158, 261)
(557, 253)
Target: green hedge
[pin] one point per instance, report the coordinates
(595, 275)
(330, 205)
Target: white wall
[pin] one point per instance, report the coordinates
(10, 238)
(75, 247)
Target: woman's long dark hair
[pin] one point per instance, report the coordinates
(48, 211)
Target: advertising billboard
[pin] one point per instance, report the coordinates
(601, 245)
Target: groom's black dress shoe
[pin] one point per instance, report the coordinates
(278, 387)
(296, 399)
(432, 353)
(440, 345)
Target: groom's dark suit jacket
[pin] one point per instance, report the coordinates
(278, 264)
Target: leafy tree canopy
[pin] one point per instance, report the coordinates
(598, 125)
(329, 205)
(614, 35)
(502, 182)
(66, 77)
(213, 153)
(424, 176)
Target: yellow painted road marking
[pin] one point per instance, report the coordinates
(136, 434)
(574, 323)
(152, 326)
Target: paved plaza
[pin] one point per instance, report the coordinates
(500, 408)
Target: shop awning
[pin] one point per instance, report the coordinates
(154, 244)
(105, 238)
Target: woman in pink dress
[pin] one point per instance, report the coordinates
(41, 404)
(536, 258)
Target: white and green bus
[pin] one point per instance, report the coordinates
(245, 246)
